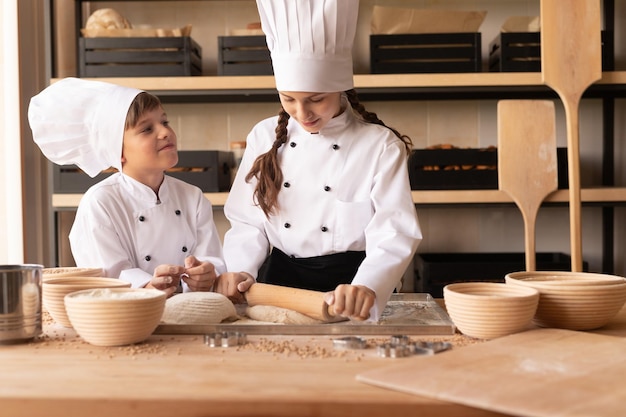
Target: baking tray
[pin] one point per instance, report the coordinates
(406, 313)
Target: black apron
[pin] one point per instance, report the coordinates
(318, 273)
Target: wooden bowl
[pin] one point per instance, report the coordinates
(55, 289)
(487, 310)
(573, 300)
(70, 271)
(115, 316)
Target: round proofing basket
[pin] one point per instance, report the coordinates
(115, 316)
(561, 278)
(579, 312)
(55, 289)
(69, 271)
(487, 310)
(566, 304)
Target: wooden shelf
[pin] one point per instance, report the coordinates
(590, 196)
(382, 86)
(261, 88)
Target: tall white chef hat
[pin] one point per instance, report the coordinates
(81, 122)
(310, 42)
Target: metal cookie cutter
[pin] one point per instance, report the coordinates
(402, 345)
(430, 348)
(349, 342)
(389, 350)
(400, 340)
(398, 346)
(225, 339)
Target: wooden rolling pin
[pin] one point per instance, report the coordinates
(307, 302)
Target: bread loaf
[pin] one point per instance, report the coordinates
(198, 308)
(107, 19)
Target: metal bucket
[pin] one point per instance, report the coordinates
(20, 303)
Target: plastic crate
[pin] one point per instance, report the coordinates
(425, 53)
(464, 169)
(243, 55)
(521, 52)
(139, 57)
(208, 170)
(433, 271)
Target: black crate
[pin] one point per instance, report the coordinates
(436, 270)
(208, 170)
(521, 52)
(243, 55)
(425, 53)
(139, 57)
(464, 169)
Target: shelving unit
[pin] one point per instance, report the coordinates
(381, 87)
(590, 196)
(415, 87)
(476, 86)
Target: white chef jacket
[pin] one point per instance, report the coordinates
(344, 189)
(123, 228)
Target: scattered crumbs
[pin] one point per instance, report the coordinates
(314, 347)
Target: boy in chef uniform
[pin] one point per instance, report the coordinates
(138, 224)
(322, 199)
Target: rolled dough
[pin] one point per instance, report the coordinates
(280, 315)
(198, 308)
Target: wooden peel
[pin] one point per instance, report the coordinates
(307, 302)
(527, 165)
(571, 60)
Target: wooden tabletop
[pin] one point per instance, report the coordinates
(60, 375)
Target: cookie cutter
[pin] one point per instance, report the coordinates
(390, 350)
(400, 340)
(401, 345)
(349, 342)
(430, 348)
(225, 339)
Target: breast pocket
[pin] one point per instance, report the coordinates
(352, 219)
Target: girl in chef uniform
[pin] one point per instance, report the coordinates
(322, 199)
(138, 224)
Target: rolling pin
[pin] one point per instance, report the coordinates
(307, 302)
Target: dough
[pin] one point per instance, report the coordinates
(272, 314)
(198, 308)
(107, 19)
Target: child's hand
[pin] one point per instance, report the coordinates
(352, 301)
(166, 278)
(233, 285)
(199, 276)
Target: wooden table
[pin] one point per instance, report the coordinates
(60, 375)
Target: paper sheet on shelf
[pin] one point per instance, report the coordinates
(137, 32)
(522, 24)
(394, 20)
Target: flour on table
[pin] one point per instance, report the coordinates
(198, 308)
(280, 315)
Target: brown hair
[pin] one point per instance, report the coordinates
(266, 168)
(142, 103)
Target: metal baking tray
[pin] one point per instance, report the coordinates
(406, 313)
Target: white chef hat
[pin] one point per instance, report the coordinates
(310, 42)
(81, 122)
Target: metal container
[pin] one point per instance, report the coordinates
(20, 303)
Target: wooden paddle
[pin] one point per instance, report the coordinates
(571, 60)
(527, 165)
(310, 303)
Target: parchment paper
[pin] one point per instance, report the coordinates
(393, 20)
